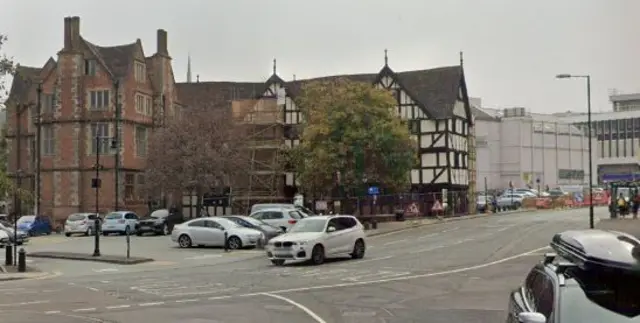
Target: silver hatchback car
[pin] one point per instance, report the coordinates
(84, 223)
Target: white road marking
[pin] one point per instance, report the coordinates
(450, 230)
(115, 307)
(90, 309)
(52, 312)
(192, 300)
(105, 281)
(359, 314)
(303, 308)
(378, 274)
(223, 290)
(151, 304)
(394, 242)
(3, 290)
(93, 289)
(202, 257)
(105, 270)
(427, 236)
(24, 303)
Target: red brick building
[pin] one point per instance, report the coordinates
(117, 93)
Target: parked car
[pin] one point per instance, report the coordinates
(317, 238)
(121, 222)
(510, 201)
(22, 237)
(592, 277)
(211, 232)
(84, 223)
(262, 206)
(267, 230)
(5, 240)
(35, 225)
(481, 203)
(283, 218)
(159, 222)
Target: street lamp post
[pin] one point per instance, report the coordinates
(588, 79)
(18, 210)
(96, 183)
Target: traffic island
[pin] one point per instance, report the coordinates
(8, 273)
(110, 259)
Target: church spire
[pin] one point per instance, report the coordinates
(189, 68)
(274, 67)
(386, 58)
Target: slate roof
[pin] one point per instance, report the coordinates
(115, 58)
(23, 80)
(436, 90)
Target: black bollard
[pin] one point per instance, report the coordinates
(8, 256)
(366, 225)
(22, 260)
(226, 241)
(374, 224)
(96, 241)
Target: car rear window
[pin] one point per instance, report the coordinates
(113, 216)
(76, 217)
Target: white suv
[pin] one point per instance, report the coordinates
(319, 237)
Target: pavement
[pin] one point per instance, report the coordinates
(456, 271)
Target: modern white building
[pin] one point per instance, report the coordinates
(515, 146)
(618, 137)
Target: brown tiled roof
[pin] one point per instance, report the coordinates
(115, 58)
(24, 79)
(436, 90)
(217, 94)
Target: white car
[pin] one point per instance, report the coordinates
(317, 238)
(279, 217)
(121, 222)
(5, 240)
(211, 232)
(80, 223)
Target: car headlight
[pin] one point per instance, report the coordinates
(303, 243)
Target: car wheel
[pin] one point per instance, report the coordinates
(358, 249)
(139, 234)
(67, 234)
(104, 233)
(184, 241)
(234, 243)
(89, 232)
(277, 262)
(317, 255)
(516, 206)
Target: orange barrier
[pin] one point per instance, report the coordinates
(599, 199)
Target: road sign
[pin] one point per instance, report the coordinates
(373, 190)
(437, 206)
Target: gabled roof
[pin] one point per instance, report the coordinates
(217, 94)
(23, 80)
(116, 59)
(479, 114)
(436, 90)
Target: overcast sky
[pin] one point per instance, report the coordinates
(512, 48)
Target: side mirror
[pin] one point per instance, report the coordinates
(331, 229)
(531, 317)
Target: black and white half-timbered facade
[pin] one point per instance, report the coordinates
(436, 106)
(433, 101)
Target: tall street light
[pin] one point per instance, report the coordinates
(588, 78)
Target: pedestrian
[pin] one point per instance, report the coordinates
(636, 205)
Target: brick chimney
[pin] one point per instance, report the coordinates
(72, 33)
(162, 43)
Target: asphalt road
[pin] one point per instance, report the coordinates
(453, 272)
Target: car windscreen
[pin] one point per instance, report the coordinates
(76, 217)
(601, 297)
(113, 216)
(309, 225)
(27, 219)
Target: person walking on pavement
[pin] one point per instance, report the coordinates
(636, 205)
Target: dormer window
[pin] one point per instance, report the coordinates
(89, 67)
(140, 72)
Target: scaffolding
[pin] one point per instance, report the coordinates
(263, 122)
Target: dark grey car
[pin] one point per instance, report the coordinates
(268, 230)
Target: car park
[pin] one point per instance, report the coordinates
(593, 276)
(82, 223)
(281, 217)
(159, 222)
(267, 230)
(212, 231)
(317, 238)
(35, 225)
(121, 222)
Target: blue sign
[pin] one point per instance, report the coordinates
(374, 190)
